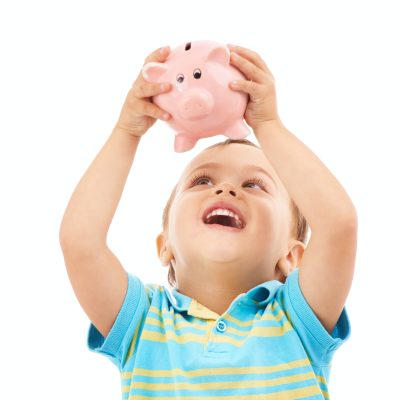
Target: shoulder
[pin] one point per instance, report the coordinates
(304, 319)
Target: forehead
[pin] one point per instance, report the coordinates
(233, 157)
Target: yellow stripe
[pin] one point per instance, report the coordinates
(170, 335)
(132, 345)
(293, 394)
(184, 324)
(226, 385)
(179, 322)
(266, 316)
(215, 371)
(325, 393)
(322, 379)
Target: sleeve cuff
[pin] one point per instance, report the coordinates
(111, 344)
(310, 321)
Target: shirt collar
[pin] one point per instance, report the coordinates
(259, 296)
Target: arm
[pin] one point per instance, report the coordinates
(97, 277)
(93, 204)
(327, 267)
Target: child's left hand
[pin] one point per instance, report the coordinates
(262, 105)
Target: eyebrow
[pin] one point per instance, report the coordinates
(247, 167)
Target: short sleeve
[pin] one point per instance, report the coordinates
(127, 324)
(319, 344)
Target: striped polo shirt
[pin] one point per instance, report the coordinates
(267, 345)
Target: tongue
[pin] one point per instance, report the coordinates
(224, 220)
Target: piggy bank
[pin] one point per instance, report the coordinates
(200, 101)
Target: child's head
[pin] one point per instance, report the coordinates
(273, 238)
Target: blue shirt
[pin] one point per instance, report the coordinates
(268, 345)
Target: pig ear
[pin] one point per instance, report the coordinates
(152, 71)
(219, 54)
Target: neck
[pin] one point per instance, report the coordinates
(216, 285)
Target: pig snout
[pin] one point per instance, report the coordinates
(195, 103)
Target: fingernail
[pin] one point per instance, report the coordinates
(164, 49)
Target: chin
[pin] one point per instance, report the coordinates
(223, 254)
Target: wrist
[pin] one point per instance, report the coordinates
(120, 130)
(268, 126)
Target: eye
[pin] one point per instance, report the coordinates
(197, 73)
(203, 178)
(258, 182)
(180, 78)
(199, 178)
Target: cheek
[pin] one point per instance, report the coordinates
(268, 219)
(185, 214)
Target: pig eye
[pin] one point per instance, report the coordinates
(180, 78)
(197, 73)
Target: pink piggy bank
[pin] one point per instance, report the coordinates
(200, 102)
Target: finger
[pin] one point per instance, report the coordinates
(145, 89)
(249, 70)
(150, 109)
(250, 55)
(158, 55)
(244, 86)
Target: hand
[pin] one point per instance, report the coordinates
(139, 113)
(262, 105)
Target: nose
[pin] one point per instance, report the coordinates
(227, 189)
(195, 103)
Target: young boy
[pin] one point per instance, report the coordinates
(255, 313)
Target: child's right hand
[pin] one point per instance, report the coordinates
(139, 113)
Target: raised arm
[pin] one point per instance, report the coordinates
(96, 275)
(327, 266)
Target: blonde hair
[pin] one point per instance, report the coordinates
(300, 227)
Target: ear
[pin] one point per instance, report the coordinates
(152, 71)
(290, 261)
(163, 249)
(219, 55)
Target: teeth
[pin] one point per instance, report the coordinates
(221, 211)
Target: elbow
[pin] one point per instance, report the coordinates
(346, 224)
(347, 227)
(73, 241)
(345, 218)
(67, 241)
(62, 237)
(350, 220)
(337, 225)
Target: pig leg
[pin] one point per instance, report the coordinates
(237, 131)
(184, 142)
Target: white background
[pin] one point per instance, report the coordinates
(65, 70)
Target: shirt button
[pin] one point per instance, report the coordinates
(221, 326)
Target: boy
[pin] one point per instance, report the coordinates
(243, 321)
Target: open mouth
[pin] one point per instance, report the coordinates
(224, 218)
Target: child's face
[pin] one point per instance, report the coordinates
(199, 249)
